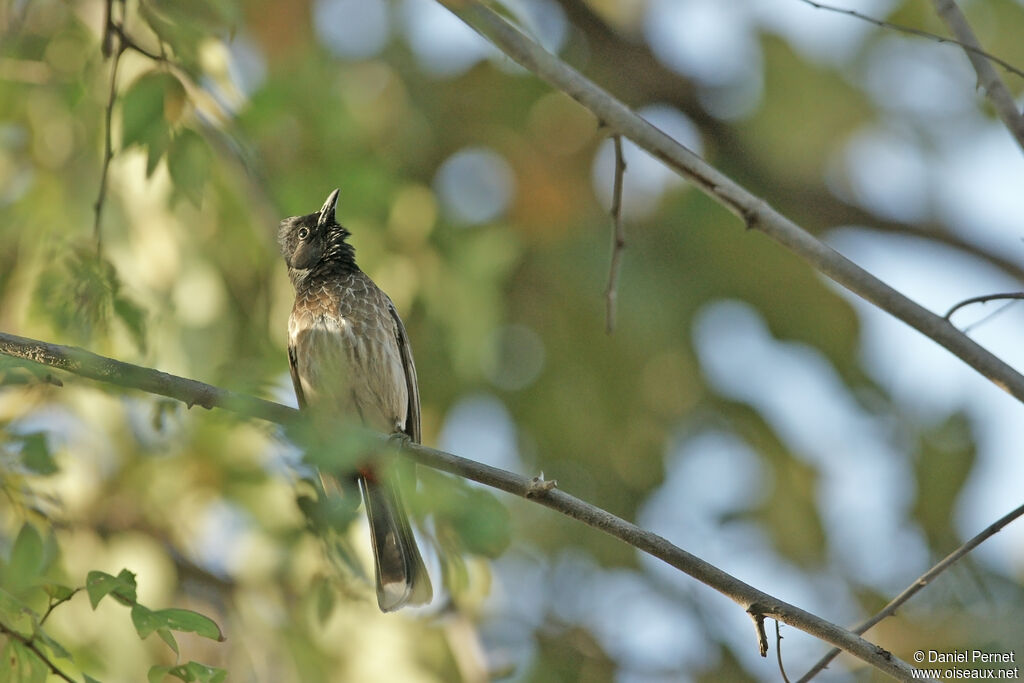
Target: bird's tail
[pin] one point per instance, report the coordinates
(402, 578)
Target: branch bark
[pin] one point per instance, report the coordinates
(989, 79)
(755, 212)
(757, 603)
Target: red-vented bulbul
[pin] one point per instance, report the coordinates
(350, 356)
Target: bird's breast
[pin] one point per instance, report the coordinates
(349, 366)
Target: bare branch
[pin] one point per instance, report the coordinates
(969, 46)
(921, 582)
(995, 89)
(758, 604)
(778, 651)
(981, 300)
(87, 364)
(755, 212)
(110, 29)
(611, 294)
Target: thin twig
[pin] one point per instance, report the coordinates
(611, 294)
(922, 581)
(754, 211)
(982, 299)
(54, 603)
(778, 651)
(972, 48)
(110, 29)
(762, 636)
(30, 643)
(995, 89)
(999, 311)
(757, 603)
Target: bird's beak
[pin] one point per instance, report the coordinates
(327, 212)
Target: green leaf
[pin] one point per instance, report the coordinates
(143, 621)
(156, 148)
(10, 605)
(58, 592)
(325, 601)
(100, 584)
(35, 454)
(90, 679)
(188, 161)
(472, 518)
(27, 561)
(946, 457)
(147, 621)
(142, 108)
(134, 318)
(150, 108)
(21, 665)
(79, 291)
(158, 673)
(55, 647)
(486, 530)
(206, 674)
(16, 614)
(191, 672)
(168, 638)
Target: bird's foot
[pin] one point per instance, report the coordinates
(400, 440)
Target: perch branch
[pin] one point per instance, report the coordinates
(758, 604)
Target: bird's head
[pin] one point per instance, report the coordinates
(307, 240)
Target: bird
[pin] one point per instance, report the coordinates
(350, 357)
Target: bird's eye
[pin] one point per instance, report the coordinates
(303, 233)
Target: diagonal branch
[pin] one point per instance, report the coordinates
(755, 212)
(995, 89)
(921, 582)
(93, 366)
(758, 604)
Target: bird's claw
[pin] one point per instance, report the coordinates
(400, 439)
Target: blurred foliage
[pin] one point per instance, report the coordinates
(242, 113)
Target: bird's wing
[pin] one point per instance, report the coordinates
(412, 418)
(293, 367)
